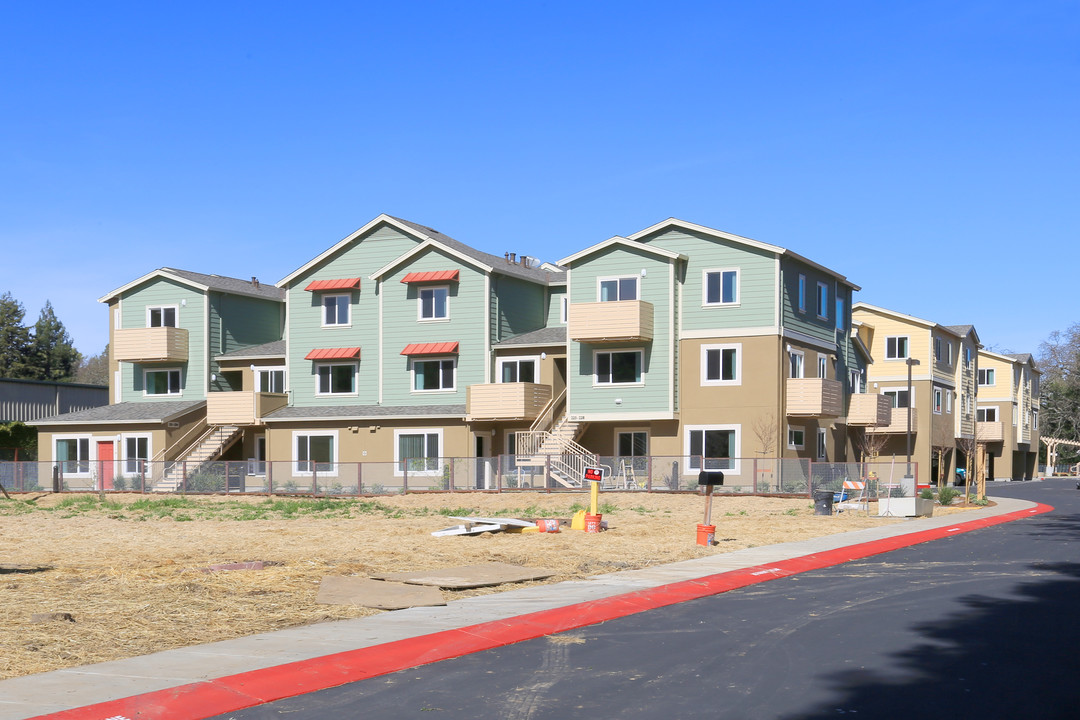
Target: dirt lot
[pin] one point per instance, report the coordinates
(130, 569)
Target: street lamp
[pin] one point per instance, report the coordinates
(911, 362)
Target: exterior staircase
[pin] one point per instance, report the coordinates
(209, 447)
(557, 449)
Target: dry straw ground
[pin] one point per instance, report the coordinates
(130, 569)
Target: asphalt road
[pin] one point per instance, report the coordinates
(979, 625)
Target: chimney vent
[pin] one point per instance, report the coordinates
(255, 281)
(513, 258)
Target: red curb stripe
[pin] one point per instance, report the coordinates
(207, 698)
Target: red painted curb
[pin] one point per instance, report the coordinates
(235, 692)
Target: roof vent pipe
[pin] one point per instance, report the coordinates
(513, 258)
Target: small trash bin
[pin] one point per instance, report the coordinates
(823, 500)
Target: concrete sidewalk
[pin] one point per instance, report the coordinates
(77, 687)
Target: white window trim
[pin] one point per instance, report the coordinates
(296, 435)
(431, 358)
(735, 459)
(820, 288)
(823, 366)
(635, 278)
(348, 310)
(420, 304)
(564, 309)
(146, 385)
(900, 389)
(629, 431)
(938, 401)
(259, 458)
(948, 401)
(499, 362)
(791, 445)
(737, 347)
(398, 472)
(802, 293)
(705, 287)
(355, 383)
(822, 444)
(260, 369)
(91, 453)
(124, 437)
(997, 413)
(802, 364)
(596, 372)
(989, 374)
(176, 312)
(907, 347)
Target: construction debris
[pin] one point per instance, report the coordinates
(469, 576)
(477, 525)
(375, 593)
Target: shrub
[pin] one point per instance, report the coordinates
(120, 483)
(927, 494)
(946, 494)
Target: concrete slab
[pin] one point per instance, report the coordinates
(469, 576)
(366, 592)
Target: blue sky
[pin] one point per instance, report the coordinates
(927, 150)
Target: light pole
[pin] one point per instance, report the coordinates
(911, 362)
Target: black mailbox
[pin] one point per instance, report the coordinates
(710, 477)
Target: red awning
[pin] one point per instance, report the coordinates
(440, 348)
(352, 353)
(431, 276)
(340, 284)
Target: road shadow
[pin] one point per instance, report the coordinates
(998, 658)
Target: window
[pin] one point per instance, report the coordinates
(433, 375)
(257, 464)
(948, 401)
(986, 376)
(336, 310)
(714, 446)
(162, 382)
(949, 349)
(822, 444)
(839, 314)
(986, 414)
(967, 356)
(796, 364)
(315, 452)
(823, 366)
(136, 453)
(162, 316)
(622, 288)
(721, 287)
(1014, 409)
(796, 437)
(73, 455)
(720, 364)
(435, 303)
(1034, 419)
(939, 350)
(618, 367)
(564, 309)
(802, 293)
(271, 380)
(822, 300)
(855, 380)
(937, 401)
(418, 451)
(898, 398)
(336, 379)
(896, 347)
(517, 370)
(632, 444)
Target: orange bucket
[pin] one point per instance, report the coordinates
(592, 523)
(706, 535)
(548, 526)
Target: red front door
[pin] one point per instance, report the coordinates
(105, 465)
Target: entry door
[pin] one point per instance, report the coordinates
(105, 468)
(482, 465)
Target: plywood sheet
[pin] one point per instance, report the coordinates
(366, 592)
(470, 576)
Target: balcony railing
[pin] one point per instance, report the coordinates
(153, 344)
(990, 431)
(506, 401)
(869, 409)
(610, 321)
(241, 408)
(815, 397)
(898, 423)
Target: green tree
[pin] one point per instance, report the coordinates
(17, 436)
(94, 370)
(52, 355)
(1059, 388)
(14, 339)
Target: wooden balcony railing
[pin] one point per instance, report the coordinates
(241, 407)
(816, 397)
(506, 401)
(154, 344)
(625, 320)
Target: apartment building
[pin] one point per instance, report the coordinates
(401, 346)
(1007, 415)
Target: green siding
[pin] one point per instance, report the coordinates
(191, 315)
(808, 322)
(554, 307)
(655, 287)
(305, 332)
(757, 280)
(518, 306)
(238, 322)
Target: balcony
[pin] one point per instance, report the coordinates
(506, 401)
(153, 344)
(988, 432)
(869, 409)
(241, 408)
(898, 423)
(625, 320)
(815, 397)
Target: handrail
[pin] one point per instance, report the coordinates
(546, 415)
(160, 455)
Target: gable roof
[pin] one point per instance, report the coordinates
(739, 239)
(204, 283)
(964, 331)
(424, 233)
(625, 242)
(126, 412)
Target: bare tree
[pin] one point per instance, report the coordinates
(764, 428)
(969, 447)
(943, 441)
(870, 444)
